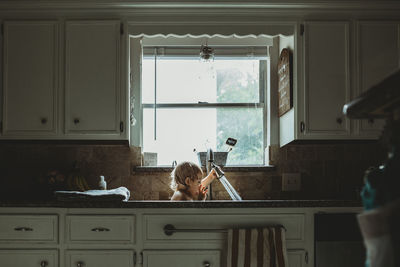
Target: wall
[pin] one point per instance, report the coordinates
(329, 171)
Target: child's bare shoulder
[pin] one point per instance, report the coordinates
(178, 195)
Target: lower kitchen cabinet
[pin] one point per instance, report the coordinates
(28, 258)
(187, 258)
(99, 258)
(142, 237)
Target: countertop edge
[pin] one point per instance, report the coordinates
(186, 204)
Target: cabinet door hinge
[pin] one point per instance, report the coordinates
(141, 258)
(134, 258)
(2, 29)
(121, 29)
(121, 126)
(1, 126)
(301, 29)
(306, 257)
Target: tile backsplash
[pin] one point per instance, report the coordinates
(328, 171)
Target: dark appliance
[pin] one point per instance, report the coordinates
(338, 241)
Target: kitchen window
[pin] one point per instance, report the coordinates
(190, 104)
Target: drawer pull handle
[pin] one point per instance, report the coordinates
(206, 264)
(80, 264)
(100, 229)
(43, 264)
(169, 230)
(23, 229)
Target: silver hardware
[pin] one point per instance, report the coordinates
(169, 230)
(206, 264)
(80, 264)
(306, 257)
(302, 127)
(43, 263)
(23, 229)
(43, 120)
(76, 120)
(100, 229)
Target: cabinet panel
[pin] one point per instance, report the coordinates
(28, 228)
(99, 258)
(92, 86)
(30, 83)
(327, 86)
(297, 258)
(187, 258)
(379, 55)
(99, 229)
(28, 258)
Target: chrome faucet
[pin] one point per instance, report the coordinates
(209, 166)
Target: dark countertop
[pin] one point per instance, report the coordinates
(186, 204)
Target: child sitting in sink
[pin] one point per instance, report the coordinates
(187, 182)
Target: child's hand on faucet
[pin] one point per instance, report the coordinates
(202, 192)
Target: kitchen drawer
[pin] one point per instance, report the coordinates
(28, 258)
(29, 228)
(99, 258)
(154, 225)
(187, 258)
(100, 228)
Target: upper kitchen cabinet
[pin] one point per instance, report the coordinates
(326, 80)
(378, 55)
(30, 66)
(92, 78)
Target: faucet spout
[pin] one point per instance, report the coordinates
(209, 160)
(209, 166)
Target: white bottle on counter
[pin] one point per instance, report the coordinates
(102, 183)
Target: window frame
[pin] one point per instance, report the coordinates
(136, 131)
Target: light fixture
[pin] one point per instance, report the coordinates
(206, 53)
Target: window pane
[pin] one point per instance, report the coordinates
(191, 81)
(179, 131)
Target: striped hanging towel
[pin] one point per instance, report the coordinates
(257, 247)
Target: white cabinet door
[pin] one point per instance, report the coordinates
(378, 56)
(327, 86)
(99, 258)
(92, 81)
(28, 258)
(186, 258)
(297, 258)
(30, 78)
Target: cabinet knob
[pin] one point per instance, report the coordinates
(206, 264)
(302, 126)
(371, 121)
(43, 263)
(76, 120)
(80, 264)
(339, 120)
(43, 120)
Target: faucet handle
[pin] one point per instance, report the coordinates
(218, 170)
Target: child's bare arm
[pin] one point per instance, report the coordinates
(210, 177)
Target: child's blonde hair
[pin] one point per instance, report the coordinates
(182, 171)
